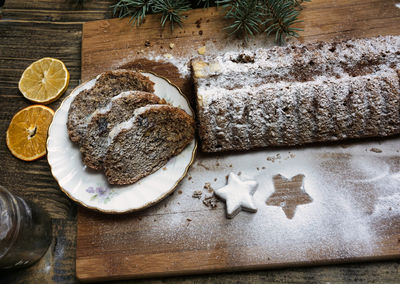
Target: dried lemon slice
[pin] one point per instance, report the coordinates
(44, 80)
(27, 132)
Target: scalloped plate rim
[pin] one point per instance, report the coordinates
(148, 203)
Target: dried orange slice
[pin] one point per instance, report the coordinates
(27, 132)
(44, 80)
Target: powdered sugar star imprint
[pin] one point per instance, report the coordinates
(289, 193)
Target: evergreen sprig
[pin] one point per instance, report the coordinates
(171, 11)
(271, 16)
(297, 3)
(204, 3)
(137, 9)
(280, 16)
(247, 17)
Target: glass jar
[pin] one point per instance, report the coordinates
(25, 231)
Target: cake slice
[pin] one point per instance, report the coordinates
(121, 108)
(145, 143)
(108, 85)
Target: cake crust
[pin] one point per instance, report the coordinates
(299, 94)
(95, 143)
(146, 142)
(108, 85)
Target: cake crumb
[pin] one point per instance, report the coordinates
(198, 23)
(243, 58)
(217, 164)
(172, 45)
(210, 201)
(179, 191)
(201, 50)
(168, 55)
(239, 173)
(197, 194)
(164, 168)
(215, 179)
(188, 219)
(189, 178)
(263, 168)
(274, 158)
(230, 165)
(376, 150)
(258, 168)
(207, 186)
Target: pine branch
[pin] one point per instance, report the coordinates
(298, 3)
(281, 15)
(246, 16)
(137, 9)
(206, 3)
(170, 11)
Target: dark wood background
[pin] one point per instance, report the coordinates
(30, 30)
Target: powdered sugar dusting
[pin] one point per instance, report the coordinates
(130, 122)
(182, 64)
(181, 59)
(298, 94)
(336, 225)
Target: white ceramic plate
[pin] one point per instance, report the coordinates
(90, 188)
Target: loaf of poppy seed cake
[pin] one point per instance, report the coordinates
(145, 143)
(121, 108)
(299, 94)
(108, 85)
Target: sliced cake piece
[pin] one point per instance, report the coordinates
(94, 144)
(108, 85)
(145, 143)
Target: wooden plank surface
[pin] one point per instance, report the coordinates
(113, 247)
(30, 30)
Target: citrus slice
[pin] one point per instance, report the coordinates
(44, 80)
(27, 132)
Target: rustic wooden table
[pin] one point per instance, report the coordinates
(30, 30)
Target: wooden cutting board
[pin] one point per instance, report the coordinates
(343, 210)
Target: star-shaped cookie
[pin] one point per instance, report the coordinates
(289, 193)
(238, 195)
